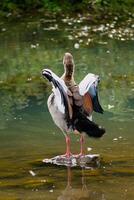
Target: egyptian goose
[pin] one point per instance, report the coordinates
(71, 105)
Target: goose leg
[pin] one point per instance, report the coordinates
(82, 141)
(68, 141)
(82, 151)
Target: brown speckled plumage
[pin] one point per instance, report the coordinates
(69, 67)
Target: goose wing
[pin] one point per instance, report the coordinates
(61, 92)
(88, 89)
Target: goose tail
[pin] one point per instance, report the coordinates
(83, 124)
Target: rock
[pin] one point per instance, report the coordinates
(86, 161)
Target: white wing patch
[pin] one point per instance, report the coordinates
(86, 83)
(58, 98)
(62, 83)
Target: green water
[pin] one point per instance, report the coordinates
(27, 133)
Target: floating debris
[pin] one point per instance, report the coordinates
(79, 21)
(33, 46)
(122, 39)
(70, 37)
(29, 79)
(85, 28)
(89, 148)
(80, 41)
(34, 32)
(3, 29)
(51, 28)
(101, 42)
(9, 14)
(70, 23)
(32, 173)
(101, 27)
(110, 35)
(115, 139)
(110, 106)
(43, 181)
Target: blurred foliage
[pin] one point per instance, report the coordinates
(18, 6)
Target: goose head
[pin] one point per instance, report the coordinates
(68, 63)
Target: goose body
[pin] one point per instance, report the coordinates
(71, 105)
(57, 116)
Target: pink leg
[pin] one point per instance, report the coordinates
(82, 141)
(68, 152)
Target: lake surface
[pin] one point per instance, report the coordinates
(27, 133)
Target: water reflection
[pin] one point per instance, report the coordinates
(81, 191)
